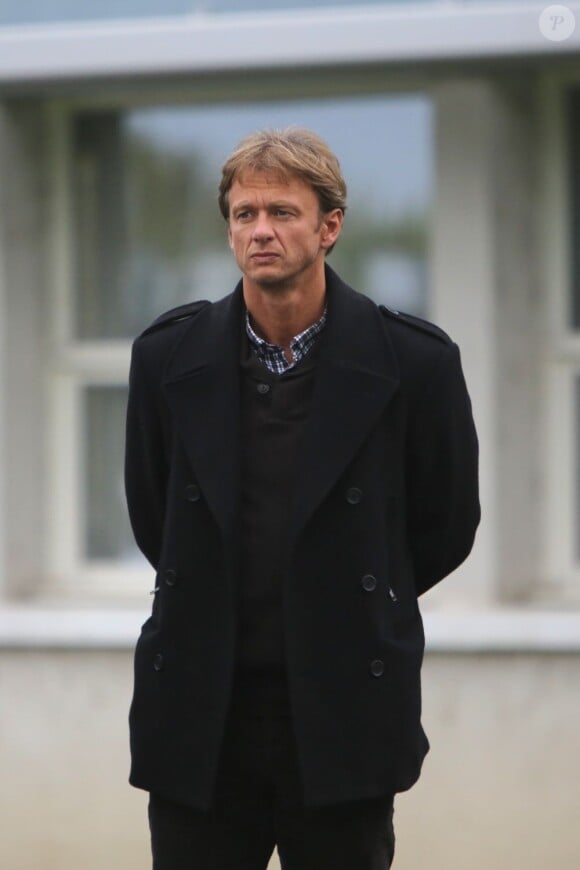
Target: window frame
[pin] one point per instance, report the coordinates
(79, 363)
(73, 366)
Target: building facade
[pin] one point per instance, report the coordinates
(458, 129)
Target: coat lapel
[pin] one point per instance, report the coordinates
(202, 388)
(357, 376)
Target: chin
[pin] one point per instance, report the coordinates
(269, 281)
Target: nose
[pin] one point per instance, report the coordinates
(262, 230)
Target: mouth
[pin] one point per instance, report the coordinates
(264, 257)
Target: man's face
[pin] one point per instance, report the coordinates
(276, 230)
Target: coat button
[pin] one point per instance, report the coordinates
(392, 595)
(170, 577)
(353, 495)
(158, 662)
(192, 492)
(377, 668)
(369, 583)
(263, 388)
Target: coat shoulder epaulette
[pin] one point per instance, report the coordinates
(175, 315)
(416, 323)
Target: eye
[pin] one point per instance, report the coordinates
(243, 215)
(282, 212)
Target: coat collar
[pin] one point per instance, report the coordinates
(356, 377)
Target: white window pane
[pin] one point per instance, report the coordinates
(107, 533)
(148, 231)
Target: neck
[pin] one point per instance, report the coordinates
(278, 314)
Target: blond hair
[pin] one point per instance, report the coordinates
(286, 153)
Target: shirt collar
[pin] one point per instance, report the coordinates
(272, 355)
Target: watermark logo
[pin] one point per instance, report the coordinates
(557, 23)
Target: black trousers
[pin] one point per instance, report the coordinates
(258, 805)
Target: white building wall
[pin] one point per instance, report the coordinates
(499, 787)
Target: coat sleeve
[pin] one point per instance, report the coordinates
(145, 461)
(442, 470)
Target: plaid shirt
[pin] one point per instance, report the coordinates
(272, 355)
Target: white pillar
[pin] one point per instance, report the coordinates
(484, 295)
(23, 340)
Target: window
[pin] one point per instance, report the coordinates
(139, 232)
(147, 232)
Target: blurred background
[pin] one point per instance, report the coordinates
(457, 125)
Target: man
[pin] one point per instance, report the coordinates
(301, 465)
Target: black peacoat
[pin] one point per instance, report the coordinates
(388, 506)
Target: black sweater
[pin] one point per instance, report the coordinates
(274, 411)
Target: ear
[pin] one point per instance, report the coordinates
(332, 223)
